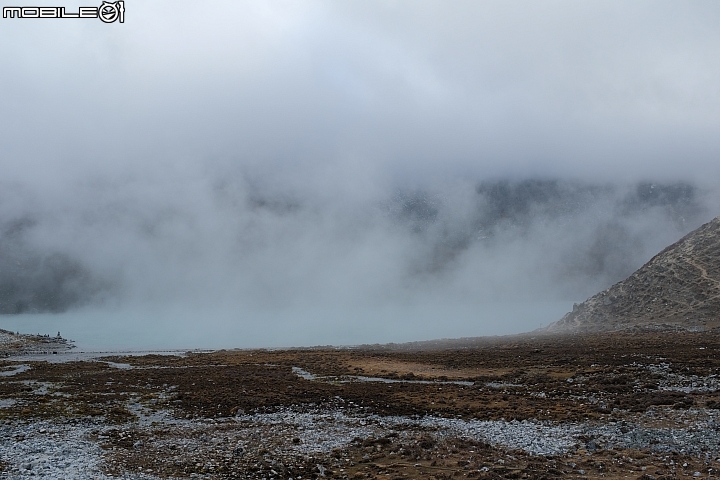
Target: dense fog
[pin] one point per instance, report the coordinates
(312, 157)
(252, 242)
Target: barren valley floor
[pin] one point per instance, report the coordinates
(640, 404)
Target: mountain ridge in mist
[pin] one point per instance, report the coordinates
(488, 240)
(39, 281)
(680, 287)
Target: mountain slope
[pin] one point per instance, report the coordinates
(678, 286)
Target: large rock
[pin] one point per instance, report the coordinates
(678, 287)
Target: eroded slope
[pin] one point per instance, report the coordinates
(678, 287)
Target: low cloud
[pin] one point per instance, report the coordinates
(293, 155)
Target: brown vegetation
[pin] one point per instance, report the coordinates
(621, 378)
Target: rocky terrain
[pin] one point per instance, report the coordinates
(677, 288)
(625, 386)
(613, 405)
(17, 344)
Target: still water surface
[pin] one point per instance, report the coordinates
(185, 328)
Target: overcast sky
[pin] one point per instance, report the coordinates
(571, 88)
(125, 142)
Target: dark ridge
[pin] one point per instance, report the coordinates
(39, 282)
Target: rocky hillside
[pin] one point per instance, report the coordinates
(679, 287)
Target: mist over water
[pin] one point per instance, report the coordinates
(290, 173)
(228, 261)
(213, 328)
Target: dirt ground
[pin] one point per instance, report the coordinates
(616, 405)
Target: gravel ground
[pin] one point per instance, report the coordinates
(519, 411)
(52, 450)
(74, 449)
